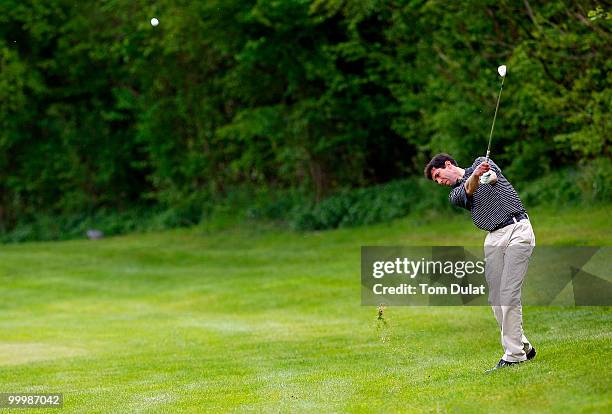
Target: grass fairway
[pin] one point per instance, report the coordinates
(257, 319)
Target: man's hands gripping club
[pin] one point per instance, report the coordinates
(482, 175)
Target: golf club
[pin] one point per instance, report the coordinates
(485, 178)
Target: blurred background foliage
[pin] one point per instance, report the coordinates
(318, 113)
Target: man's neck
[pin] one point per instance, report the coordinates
(461, 172)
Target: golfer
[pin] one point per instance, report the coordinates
(496, 208)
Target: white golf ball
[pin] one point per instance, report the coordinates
(502, 70)
(154, 22)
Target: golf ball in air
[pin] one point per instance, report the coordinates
(502, 70)
(154, 22)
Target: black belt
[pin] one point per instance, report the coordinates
(514, 219)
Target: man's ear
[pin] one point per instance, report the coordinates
(447, 163)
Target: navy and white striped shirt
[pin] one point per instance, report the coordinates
(491, 204)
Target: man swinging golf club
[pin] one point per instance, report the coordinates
(496, 207)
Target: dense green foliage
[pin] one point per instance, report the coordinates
(588, 184)
(100, 111)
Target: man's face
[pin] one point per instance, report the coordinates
(446, 176)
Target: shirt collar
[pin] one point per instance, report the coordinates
(466, 175)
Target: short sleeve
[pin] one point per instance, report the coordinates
(458, 197)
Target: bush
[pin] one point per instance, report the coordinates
(276, 205)
(361, 206)
(595, 180)
(586, 184)
(45, 227)
(557, 188)
(590, 182)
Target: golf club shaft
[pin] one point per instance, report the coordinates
(494, 117)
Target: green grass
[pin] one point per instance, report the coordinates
(254, 318)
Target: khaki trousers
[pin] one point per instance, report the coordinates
(507, 253)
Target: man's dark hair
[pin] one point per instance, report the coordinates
(438, 162)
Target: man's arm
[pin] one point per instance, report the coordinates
(472, 183)
(461, 196)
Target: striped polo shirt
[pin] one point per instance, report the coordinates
(491, 204)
